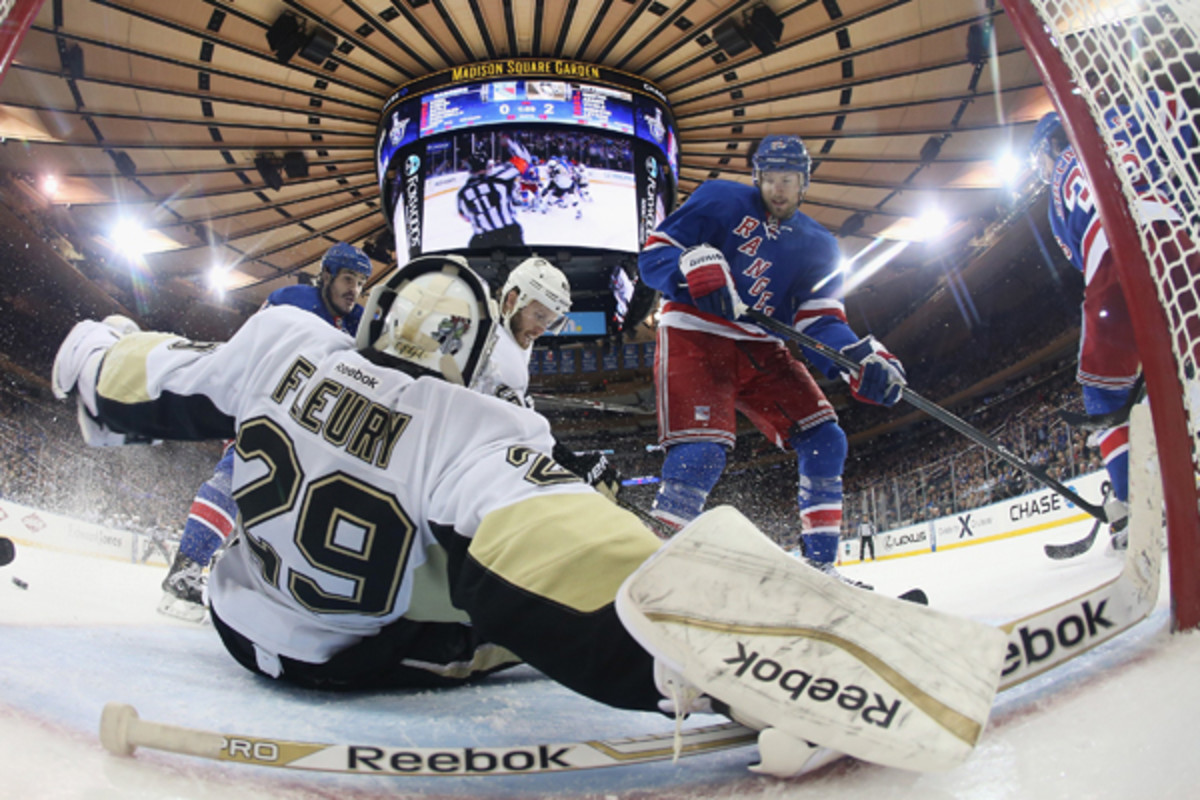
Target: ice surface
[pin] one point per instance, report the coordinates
(1115, 723)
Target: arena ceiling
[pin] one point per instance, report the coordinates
(161, 110)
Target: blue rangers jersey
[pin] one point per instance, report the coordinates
(309, 299)
(1074, 216)
(786, 269)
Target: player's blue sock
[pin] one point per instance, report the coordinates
(212, 516)
(820, 456)
(689, 473)
(1113, 442)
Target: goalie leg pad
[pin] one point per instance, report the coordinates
(864, 674)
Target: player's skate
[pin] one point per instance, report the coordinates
(794, 651)
(183, 590)
(1117, 512)
(829, 569)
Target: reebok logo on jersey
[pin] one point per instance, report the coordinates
(800, 685)
(357, 374)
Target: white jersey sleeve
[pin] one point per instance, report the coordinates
(507, 372)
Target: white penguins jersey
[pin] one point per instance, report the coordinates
(507, 372)
(343, 470)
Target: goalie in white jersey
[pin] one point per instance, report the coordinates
(397, 529)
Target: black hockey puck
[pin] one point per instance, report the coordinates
(7, 551)
(20, 584)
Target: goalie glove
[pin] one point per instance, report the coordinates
(76, 367)
(880, 378)
(709, 282)
(595, 470)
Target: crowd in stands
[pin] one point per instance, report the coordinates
(45, 464)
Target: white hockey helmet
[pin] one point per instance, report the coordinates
(432, 316)
(536, 278)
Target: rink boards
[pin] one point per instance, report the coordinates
(1016, 516)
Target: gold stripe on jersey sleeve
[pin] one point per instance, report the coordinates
(123, 375)
(573, 549)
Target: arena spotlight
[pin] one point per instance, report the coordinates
(218, 278)
(1008, 167)
(129, 237)
(49, 185)
(932, 223)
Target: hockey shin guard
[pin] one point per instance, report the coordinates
(1113, 442)
(690, 471)
(820, 456)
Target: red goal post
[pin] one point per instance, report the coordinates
(15, 18)
(1097, 56)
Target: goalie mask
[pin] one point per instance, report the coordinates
(432, 316)
(537, 279)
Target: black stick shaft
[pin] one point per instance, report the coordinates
(934, 410)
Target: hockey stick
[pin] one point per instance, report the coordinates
(1059, 552)
(661, 529)
(122, 732)
(1112, 419)
(932, 409)
(1055, 635)
(594, 405)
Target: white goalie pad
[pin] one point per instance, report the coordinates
(861, 673)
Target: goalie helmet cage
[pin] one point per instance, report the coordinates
(1099, 56)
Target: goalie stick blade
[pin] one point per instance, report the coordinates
(122, 731)
(1055, 635)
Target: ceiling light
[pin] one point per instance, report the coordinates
(932, 224)
(1008, 167)
(129, 237)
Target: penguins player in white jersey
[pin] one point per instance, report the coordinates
(534, 300)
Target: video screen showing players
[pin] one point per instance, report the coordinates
(514, 186)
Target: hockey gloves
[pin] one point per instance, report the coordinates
(75, 370)
(880, 379)
(594, 468)
(709, 282)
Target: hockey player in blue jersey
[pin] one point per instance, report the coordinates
(1108, 358)
(732, 246)
(344, 270)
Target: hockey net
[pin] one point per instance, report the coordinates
(1141, 60)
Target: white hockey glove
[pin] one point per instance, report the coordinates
(511, 395)
(880, 379)
(76, 367)
(709, 282)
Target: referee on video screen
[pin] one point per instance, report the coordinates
(485, 201)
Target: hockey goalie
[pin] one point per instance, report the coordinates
(397, 529)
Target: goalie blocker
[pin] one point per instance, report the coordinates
(864, 674)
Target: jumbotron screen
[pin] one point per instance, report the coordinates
(591, 155)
